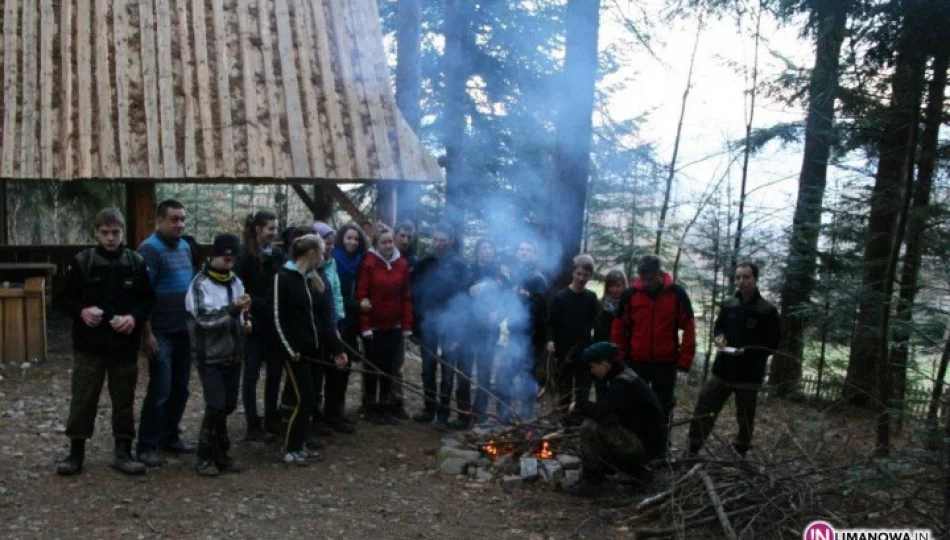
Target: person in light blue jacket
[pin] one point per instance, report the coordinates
(333, 390)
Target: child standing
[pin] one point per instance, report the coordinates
(217, 307)
(386, 304)
(348, 255)
(571, 320)
(110, 298)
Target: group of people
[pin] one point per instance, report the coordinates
(303, 313)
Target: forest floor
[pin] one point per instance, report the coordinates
(381, 482)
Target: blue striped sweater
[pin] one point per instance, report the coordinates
(169, 269)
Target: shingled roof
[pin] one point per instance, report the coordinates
(202, 90)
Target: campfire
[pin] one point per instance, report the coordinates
(511, 443)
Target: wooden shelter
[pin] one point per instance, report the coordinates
(236, 91)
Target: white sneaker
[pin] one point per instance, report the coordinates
(309, 454)
(295, 458)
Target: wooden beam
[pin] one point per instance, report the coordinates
(386, 203)
(318, 204)
(3, 213)
(139, 212)
(348, 206)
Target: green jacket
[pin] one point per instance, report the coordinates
(329, 268)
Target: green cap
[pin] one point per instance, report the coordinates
(599, 352)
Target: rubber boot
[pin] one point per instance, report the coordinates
(123, 458)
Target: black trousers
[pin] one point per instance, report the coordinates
(89, 374)
(661, 376)
(329, 386)
(383, 351)
(221, 384)
(574, 381)
(299, 388)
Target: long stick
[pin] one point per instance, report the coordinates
(714, 497)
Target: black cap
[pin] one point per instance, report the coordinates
(602, 351)
(226, 244)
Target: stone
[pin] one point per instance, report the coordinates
(529, 468)
(484, 462)
(469, 456)
(453, 466)
(483, 474)
(449, 442)
(569, 462)
(503, 463)
(551, 471)
(511, 482)
(569, 478)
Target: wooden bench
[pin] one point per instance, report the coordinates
(23, 322)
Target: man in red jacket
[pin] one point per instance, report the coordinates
(646, 330)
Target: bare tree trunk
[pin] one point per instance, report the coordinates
(827, 310)
(661, 225)
(786, 368)
(575, 128)
(917, 225)
(409, 90)
(454, 78)
(869, 349)
(753, 93)
(932, 424)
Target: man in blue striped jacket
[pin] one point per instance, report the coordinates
(168, 260)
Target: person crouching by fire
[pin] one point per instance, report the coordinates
(217, 309)
(624, 429)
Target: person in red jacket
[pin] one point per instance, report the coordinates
(386, 318)
(646, 330)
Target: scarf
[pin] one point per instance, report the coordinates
(611, 304)
(347, 265)
(220, 277)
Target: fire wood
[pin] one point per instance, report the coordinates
(720, 512)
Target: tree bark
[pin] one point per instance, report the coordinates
(409, 91)
(676, 141)
(786, 368)
(917, 224)
(575, 129)
(454, 77)
(868, 376)
(140, 207)
(4, 238)
(932, 424)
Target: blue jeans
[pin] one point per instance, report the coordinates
(516, 383)
(168, 375)
(483, 358)
(262, 352)
(430, 373)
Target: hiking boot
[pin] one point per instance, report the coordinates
(229, 465)
(341, 426)
(460, 424)
(123, 458)
(178, 446)
(586, 488)
(257, 433)
(150, 459)
(295, 459)
(207, 468)
(398, 411)
(73, 462)
(425, 417)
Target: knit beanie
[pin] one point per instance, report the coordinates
(599, 352)
(226, 244)
(322, 229)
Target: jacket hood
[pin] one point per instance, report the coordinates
(667, 282)
(389, 263)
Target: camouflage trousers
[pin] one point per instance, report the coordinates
(609, 448)
(89, 374)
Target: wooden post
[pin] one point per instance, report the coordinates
(3, 213)
(386, 203)
(140, 207)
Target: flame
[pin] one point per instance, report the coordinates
(491, 449)
(545, 452)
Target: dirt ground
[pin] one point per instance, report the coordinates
(381, 482)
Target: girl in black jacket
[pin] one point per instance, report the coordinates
(303, 316)
(259, 262)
